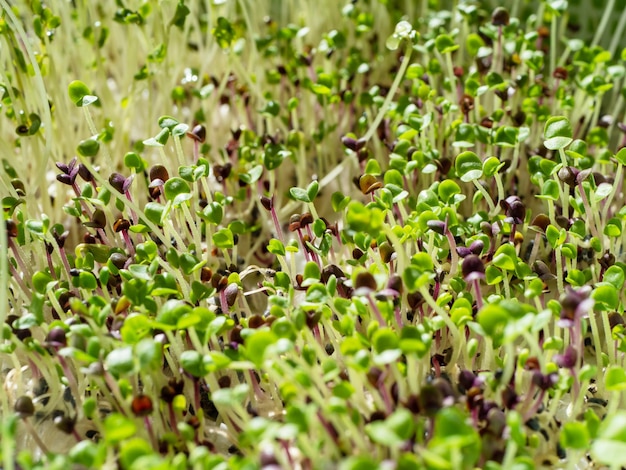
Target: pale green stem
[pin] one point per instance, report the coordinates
(616, 184)
(559, 269)
(591, 219)
(509, 367)
(312, 210)
(177, 274)
(486, 196)
(598, 347)
(16, 26)
(392, 91)
(179, 151)
(89, 119)
(608, 337)
(4, 272)
(617, 35)
(608, 12)
(509, 454)
(192, 226)
(458, 340)
(553, 37)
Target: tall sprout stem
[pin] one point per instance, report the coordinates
(553, 41)
(617, 36)
(478, 292)
(4, 275)
(457, 339)
(558, 259)
(591, 216)
(392, 91)
(17, 256)
(616, 184)
(16, 276)
(279, 231)
(608, 12)
(454, 256)
(486, 196)
(40, 87)
(33, 432)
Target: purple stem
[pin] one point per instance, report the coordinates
(533, 410)
(19, 280)
(301, 241)
(223, 301)
(399, 215)
(66, 263)
(17, 256)
(398, 316)
(103, 236)
(258, 391)
(148, 424)
(479, 293)
(279, 231)
(376, 311)
(285, 445)
(173, 421)
(82, 202)
(329, 429)
(133, 216)
(384, 393)
(196, 151)
(316, 334)
(71, 378)
(50, 265)
(129, 243)
(313, 254)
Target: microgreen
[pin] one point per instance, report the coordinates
(359, 235)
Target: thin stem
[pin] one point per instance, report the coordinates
(486, 196)
(558, 260)
(589, 219)
(454, 256)
(179, 151)
(608, 12)
(279, 231)
(392, 91)
(31, 430)
(16, 254)
(42, 99)
(376, 311)
(617, 35)
(192, 226)
(90, 123)
(16, 276)
(553, 37)
(616, 184)
(535, 249)
(457, 339)
(611, 349)
(479, 294)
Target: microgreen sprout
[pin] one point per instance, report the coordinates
(359, 235)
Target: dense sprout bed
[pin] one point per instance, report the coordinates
(309, 235)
